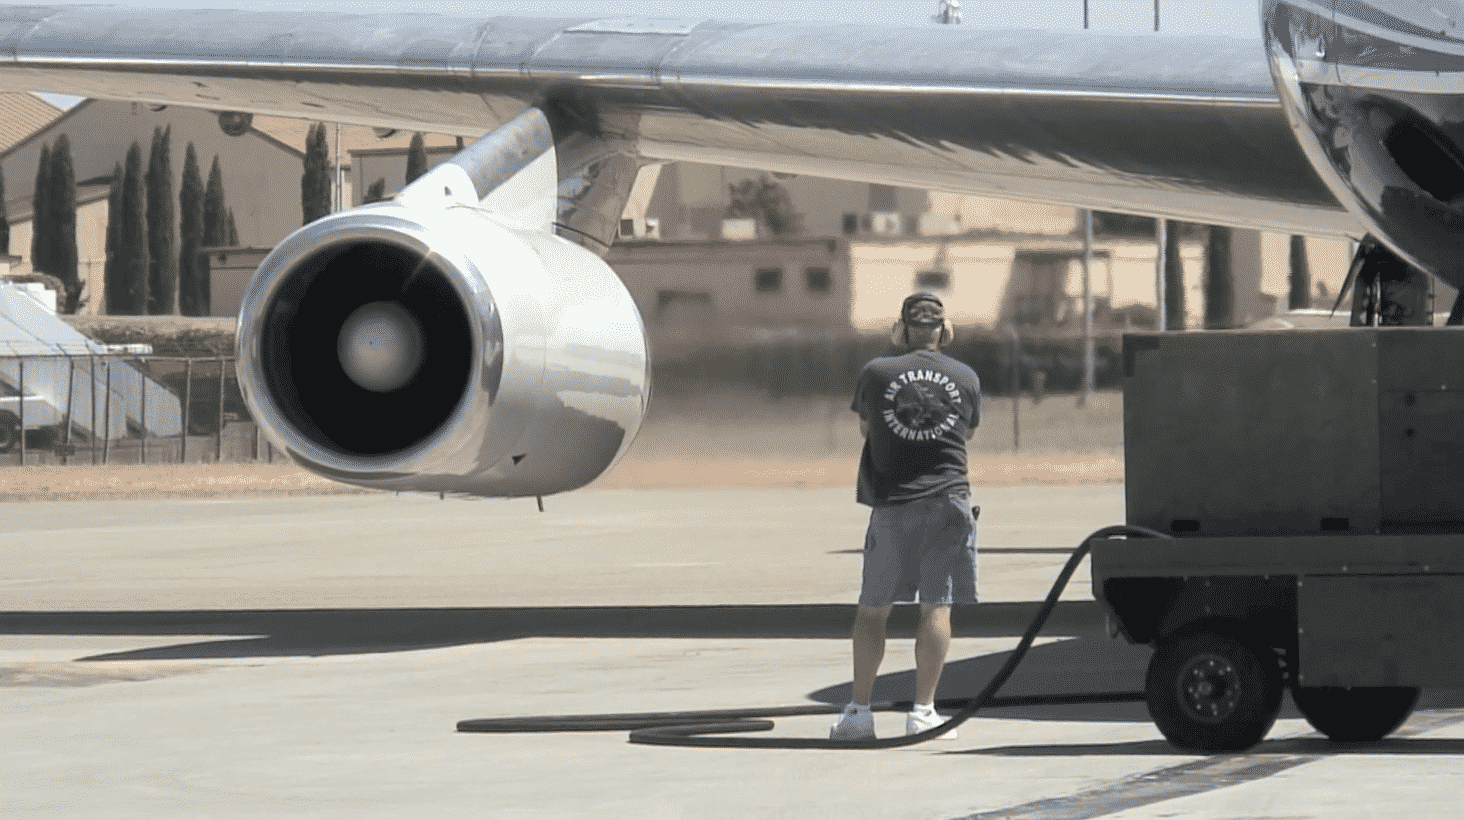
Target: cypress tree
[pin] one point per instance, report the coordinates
(4, 218)
(61, 203)
(232, 232)
(1300, 278)
(215, 211)
(132, 264)
(315, 182)
(40, 214)
(416, 158)
(1219, 281)
(1174, 296)
(162, 265)
(193, 291)
(111, 277)
(376, 192)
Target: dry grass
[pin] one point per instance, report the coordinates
(710, 439)
(985, 471)
(134, 482)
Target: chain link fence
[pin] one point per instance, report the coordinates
(799, 367)
(124, 409)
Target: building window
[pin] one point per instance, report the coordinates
(818, 280)
(683, 306)
(627, 228)
(768, 280)
(851, 223)
(932, 280)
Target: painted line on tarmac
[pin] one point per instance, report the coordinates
(1186, 779)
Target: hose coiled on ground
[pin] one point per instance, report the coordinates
(710, 728)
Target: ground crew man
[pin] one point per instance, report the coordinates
(917, 410)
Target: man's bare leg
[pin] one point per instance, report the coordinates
(932, 644)
(869, 646)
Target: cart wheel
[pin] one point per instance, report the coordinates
(1213, 693)
(1362, 714)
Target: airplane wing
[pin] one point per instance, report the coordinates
(1185, 127)
(467, 336)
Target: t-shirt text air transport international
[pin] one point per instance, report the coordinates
(918, 407)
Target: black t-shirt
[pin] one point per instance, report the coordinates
(919, 407)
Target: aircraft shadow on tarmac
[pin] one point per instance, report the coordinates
(1085, 661)
(1437, 707)
(307, 632)
(1311, 744)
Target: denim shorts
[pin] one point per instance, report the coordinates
(922, 551)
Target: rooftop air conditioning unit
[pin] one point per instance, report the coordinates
(887, 223)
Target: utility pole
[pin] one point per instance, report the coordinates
(1089, 362)
(1161, 236)
(339, 194)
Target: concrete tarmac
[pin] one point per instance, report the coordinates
(310, 657)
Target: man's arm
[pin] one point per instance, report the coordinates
(858, 406)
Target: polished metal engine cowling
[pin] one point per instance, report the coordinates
(1376, 100)
(516, 363)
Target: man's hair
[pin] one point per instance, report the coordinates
(915, 299)
(900, 333)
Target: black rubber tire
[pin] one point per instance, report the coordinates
(9, 432)
(1363, 714)
(1209, 692)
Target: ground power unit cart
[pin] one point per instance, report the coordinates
(1313, 483)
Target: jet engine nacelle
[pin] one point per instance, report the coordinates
(442, 350)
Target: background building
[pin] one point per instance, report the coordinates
(261, 166)
(691, 250)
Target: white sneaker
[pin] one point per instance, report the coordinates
(919, 721)
(854, 724)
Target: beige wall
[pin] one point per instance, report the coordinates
(953, 213)
(690, 198)
(1327, 258)
(261, 177)
(1262, 269)
(388, 164)
(91, 253)
(725, 272)
(229, 274)
(872, 277)
(884, 274)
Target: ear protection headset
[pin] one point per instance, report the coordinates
(900, 332)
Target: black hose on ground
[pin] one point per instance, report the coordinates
(693, 728)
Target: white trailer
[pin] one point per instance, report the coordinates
(51, 373)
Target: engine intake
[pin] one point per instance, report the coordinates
(305, 346)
